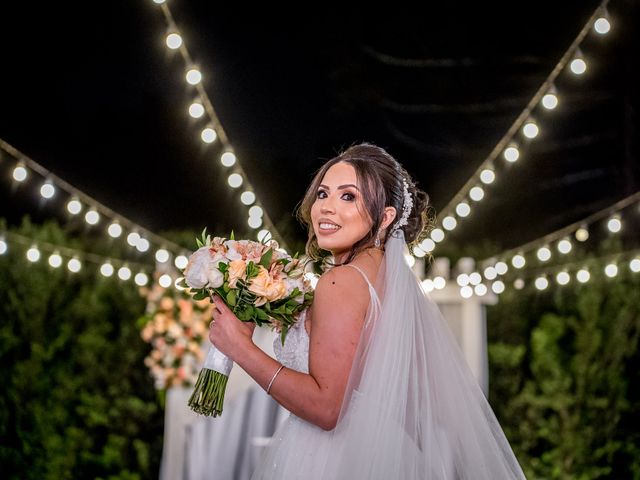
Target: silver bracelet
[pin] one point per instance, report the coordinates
(273, 378)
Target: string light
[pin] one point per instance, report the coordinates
(47, 190)
(550, 99)
(530, 129)
(578, 65)
(614, 224)
(437, 235)
(173, 40)
(602, 24)
(583, 275)
(214, 130)
(541, 283)
(162, 255)
(634, 265)
(193, 76)
(487, 176)
(196, 110)
(248, 197)
(254, 222)
(20, 173)
(181, 262)
(611, 270)
(256, 211)
(3, 246)
(480, 290)
(165, 281)
(141, 279)
(264, 235)
(563, 278)
(511, 153)
(124, 273)
(476, 194)
(462, 279)
(466, 292)
(561, 236)
(106, 269)
(55, 260)
(74, 206)
(33, 254)
(74, 265)
(497, 287)
(546, 96)
(228, 159)
(427, 245)
(234, 180)
(463, 209)
(449, 222)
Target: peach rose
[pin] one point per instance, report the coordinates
(237, 269)
(266, 288)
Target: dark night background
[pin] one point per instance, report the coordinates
(91, 92)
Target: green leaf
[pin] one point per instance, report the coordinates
(231, 298)
(266, 258)
(232, 237)
(261, 314)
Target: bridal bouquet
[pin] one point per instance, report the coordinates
(259, 282)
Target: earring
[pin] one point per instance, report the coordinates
(377, 242)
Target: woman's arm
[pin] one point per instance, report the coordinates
(340, 304)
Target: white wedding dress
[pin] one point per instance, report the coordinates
(412, 408)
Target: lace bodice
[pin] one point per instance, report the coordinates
(295, 353)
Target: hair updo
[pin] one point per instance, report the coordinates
(381, 179)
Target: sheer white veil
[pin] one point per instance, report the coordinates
(412, 408)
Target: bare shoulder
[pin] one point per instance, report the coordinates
(341, 289)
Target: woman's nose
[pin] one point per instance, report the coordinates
(327, 206)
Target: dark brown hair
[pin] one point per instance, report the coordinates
(381, 178)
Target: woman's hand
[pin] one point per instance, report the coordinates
(229, 334)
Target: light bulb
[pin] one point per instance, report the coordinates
(173, 40)
(193, 76)
(181, 262)
(582, 234)
(564, 246)
(142, 245)
(530, 129)
(511, 153)
(518, 261)
(614, 224)
(74, 206)
(583, 275)
(19, 173)
(264, 235)
(165, 281)
(438, 282)
(248, 197)
(476, 194)
(497, 287)
(228, 159)
(449, 222)
(55, 260)
(124, 273)
(427, 245)
(541, 283)
(466, 292)
(487, 176)
(418, 252)
(602, 25)
(563, 278)
(141, 279)
(162, 255)
(74, 265)
(578, 66)
(490, 273)
(133, 238)
(611, 270)
(462, 279)
(234, 180)
(437, 235)
(106, 269)
(544, 254)
(518, 284)
(480, 290)
(475, 278)
(208, 135)
(92, 217)
(463, 209)
(256, 211)
(114, 230)
(427, 284)
(196, 110)
(3, 246)
(254, 222)
(33, 254)
(501, 268)
(550, 101)
(47, 190)
(634, 265)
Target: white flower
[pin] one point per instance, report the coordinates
(195, 274)
(216, 278)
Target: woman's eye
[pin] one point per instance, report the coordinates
(349, 196)
(319, 194)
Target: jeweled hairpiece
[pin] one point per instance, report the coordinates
(407, 205)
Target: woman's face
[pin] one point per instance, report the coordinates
(338, 214)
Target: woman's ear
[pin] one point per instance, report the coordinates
(388, 217)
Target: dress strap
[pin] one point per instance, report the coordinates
(363, 274)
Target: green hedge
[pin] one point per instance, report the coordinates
(76, 399)
(564, 377)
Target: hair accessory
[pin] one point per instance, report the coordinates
(407, 205)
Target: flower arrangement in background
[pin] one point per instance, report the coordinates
(175, 327)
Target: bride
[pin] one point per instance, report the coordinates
(374, 380)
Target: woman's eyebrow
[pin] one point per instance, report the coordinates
(341, 186)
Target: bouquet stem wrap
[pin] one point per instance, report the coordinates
(208, 394)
